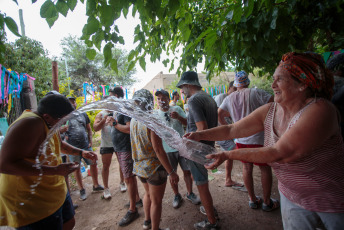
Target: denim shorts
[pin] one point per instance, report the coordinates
(77, 158)
(55, 221)
(158, 178)
(174, 158)
(198, 172)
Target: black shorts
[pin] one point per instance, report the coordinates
(106, 150)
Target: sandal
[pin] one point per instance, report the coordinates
(255, 204)
(274, 204)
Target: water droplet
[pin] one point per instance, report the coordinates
(21, 204)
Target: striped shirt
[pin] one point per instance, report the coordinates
(315, 182)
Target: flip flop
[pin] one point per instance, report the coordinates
(234, 185)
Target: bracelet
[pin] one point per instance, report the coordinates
(171, 172)
(80, 153)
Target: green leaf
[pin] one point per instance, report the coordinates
(72, 4)
(89, 43)
(92, 25)
(33, 1)
(131, 55)
(107, 53)
(2, 22)
(268, 4)
(98, 38)
(249, 8)
(113, 65)
(237, 13)
(90, 7)
(131, 66)
(15, 1)
(12, 25)
(91, 54)
(62, 7)
(107, 15)
(142, 62)
(52, 20)
(48, 10)
(121, 40)
(125, 12)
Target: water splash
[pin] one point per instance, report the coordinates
(189, 149)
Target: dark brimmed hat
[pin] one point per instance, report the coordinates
(163, 92)
(189, 78)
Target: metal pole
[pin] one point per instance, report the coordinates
(68, 79)
(22, 26)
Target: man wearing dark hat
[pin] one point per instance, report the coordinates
(202, 115)
(175, 117)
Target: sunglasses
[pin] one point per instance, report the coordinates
(167, 117)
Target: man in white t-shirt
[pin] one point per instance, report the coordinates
(228, 144)
(237, 106)
(175, 117)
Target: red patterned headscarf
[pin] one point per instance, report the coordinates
(309, 68)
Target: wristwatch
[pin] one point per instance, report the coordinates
(114, 123)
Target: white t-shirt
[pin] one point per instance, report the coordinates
(241, 103)
(173, 123)
(106, 139)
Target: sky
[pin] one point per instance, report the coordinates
(38, 29)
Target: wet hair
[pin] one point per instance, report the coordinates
(119, 91)
(174, 93)
(55, 105)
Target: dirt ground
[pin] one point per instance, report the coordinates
(97, 214)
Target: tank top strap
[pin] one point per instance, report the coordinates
(298, 114)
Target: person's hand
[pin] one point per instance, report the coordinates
(90, 155)
(218, 158)
(65, 169)
(193, 136)
(174, 115)
(109, 121)
(63, 128)
(174, 178)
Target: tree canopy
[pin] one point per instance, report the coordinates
(82, 69)
(246, 34)
(28, 56)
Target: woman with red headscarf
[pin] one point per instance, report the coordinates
(302, 143)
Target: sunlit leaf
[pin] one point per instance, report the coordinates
(91, 54)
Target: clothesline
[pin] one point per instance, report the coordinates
(11, 85)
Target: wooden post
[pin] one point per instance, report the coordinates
(55, 77)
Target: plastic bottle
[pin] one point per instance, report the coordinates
(83, 170)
